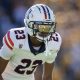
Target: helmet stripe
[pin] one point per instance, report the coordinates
(39, 8)
(48, 13)
(45, 14)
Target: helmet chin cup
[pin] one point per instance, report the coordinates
(42, 39)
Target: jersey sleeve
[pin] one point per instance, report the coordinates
(53, 48)
(7, 49)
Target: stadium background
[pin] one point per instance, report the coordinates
(67, 64)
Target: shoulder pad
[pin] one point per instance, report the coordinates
(13, 36)
(55, 41)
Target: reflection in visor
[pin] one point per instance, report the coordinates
(44, 28)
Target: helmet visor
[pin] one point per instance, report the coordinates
(42, 28)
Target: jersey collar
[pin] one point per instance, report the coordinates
(35, 52)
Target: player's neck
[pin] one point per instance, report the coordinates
(35, 42)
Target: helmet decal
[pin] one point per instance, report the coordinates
(29, 13)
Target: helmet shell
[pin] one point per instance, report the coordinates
(38, 12)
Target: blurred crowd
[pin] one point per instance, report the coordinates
(12, 14)
(67, 64)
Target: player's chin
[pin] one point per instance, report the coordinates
(43, 34)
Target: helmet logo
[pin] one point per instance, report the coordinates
(29, 13)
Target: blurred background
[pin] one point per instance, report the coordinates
(67, 64)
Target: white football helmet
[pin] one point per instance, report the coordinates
(40, 21)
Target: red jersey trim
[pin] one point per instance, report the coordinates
(9, 39)
(7, 43)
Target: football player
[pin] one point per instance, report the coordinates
(25, 48)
